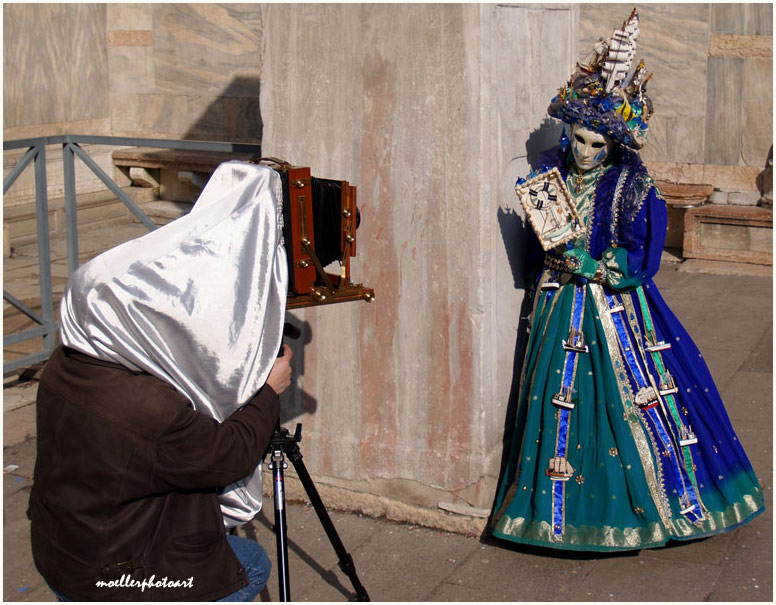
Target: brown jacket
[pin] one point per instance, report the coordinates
(126, 482)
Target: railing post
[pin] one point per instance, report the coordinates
(71, 221)
(44, 250)
(18, 169)
(115, 189)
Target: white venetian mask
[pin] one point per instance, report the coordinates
(590, 149)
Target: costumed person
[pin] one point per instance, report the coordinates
(154, 414)
(621, 439)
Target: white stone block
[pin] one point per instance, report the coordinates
(129, 16)
(719, 197)
(743, 198)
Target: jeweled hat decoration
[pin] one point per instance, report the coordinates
(607, 93)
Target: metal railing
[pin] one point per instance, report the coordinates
(71, 147)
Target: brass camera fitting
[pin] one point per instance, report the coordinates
(319, 294)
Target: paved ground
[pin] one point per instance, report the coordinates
(729, 315)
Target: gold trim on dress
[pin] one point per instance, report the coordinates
(652, 474)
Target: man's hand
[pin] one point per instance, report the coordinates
(280, 375)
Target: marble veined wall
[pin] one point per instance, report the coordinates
(185, 70)
(149, 70)
(431, 111)
(55, 70)
(179, 71)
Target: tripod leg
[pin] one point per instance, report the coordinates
(277, 465)
(345, 560)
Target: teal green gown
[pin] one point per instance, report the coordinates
(621, 440)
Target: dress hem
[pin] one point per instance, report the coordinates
(599, 548)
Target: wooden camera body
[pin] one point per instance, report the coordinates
(320, 218)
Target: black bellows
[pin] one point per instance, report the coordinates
(327, 220)
(327, 227)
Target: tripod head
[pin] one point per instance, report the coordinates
(290, 331)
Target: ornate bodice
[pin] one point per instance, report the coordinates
(582, 186)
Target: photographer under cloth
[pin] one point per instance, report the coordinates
(155, 412)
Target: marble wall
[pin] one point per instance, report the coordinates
(185, 71)
(178, 71)
(193, 71)
(428, 110)
(55, 70)
(55, 81)
(147, 70)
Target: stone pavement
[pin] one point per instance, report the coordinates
(730, 317)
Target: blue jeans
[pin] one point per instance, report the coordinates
(257, 566)
(254, 560)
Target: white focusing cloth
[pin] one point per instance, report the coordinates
(199, 303)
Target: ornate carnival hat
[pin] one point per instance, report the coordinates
(606, 93)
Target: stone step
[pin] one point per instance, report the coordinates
(684, 194)
(174, 159)
(741, 234)
(99, 207)
(180, 174)
(21, 275)
(165, 211)
(679, 197)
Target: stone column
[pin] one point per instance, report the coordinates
(431, 110)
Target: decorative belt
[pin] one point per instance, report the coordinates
(556, 264)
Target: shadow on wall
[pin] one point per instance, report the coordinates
(511, 223)
(234, 116)
(542, 139)
(514, 231)
(295, 402)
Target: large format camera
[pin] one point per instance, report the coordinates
(320, 218)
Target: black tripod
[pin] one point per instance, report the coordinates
(282, 443)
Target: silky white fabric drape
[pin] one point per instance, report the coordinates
(199, 303)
